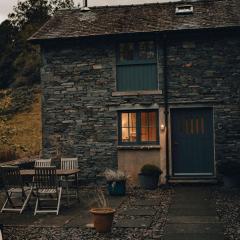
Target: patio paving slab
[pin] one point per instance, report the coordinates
(192, 211)
(192, 216)
(134, 223)
(194, 228)
(193, 219)
(139, 212)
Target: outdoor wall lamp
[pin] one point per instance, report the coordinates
(162, 127)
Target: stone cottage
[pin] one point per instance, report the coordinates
(155, 83)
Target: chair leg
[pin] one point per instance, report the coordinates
(26, 200)
(59, 200)
(7, 200)
(77, 189)
(67, 189)
(36, 207)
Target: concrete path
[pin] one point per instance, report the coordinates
(192, 216)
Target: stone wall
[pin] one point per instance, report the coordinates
(79, 109)
(206, 71)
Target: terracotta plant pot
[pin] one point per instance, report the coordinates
(102, 219)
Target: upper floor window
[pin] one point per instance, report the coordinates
(137, 66)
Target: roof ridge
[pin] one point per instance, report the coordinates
(143, 4)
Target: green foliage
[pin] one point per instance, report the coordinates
(150, 169)
(19, 60)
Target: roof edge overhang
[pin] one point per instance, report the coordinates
(166, 32)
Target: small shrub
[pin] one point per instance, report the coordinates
(150, 169)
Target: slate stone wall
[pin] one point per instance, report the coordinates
(80, 113)
(206, 71)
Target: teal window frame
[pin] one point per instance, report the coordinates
(136, 62)
(138, 128)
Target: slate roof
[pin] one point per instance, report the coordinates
(157, 17)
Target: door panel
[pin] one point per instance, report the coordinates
(192, 141)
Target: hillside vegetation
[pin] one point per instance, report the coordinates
(20, 123)
(20, 61)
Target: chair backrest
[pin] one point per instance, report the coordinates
(11, 177)
(69, 163)
(42, 163)
(45, 178)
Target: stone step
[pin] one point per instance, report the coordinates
(193, 219)
(200, 211)
(196, 204)
(199, 228)
(194, 236)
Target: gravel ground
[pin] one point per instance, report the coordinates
(228, 209)
(155, 231)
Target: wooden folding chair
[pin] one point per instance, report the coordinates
(14, 189)
(69, 164)
(42, 163)
(46, 183)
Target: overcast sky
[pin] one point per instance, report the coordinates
(6, 6)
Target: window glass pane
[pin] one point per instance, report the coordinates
(146, 50)
(148, 126)
(144, 134)
(125, 135)
(153, 134)
(124, 120)
(129, 127)
(144, 119)
(152, 119)
(126, 51)
(133, 135)
(132, 120)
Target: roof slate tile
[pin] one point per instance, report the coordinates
(155, 17)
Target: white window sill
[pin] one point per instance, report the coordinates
(137, 93)
(138, 147)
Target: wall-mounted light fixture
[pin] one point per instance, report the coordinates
(162, 127)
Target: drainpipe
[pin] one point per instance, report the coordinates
(165, 76)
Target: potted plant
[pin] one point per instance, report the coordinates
(116, 181)
(230, 170)
(103, 215)
(149, 176)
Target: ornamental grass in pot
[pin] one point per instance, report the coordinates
(149, 176)
(103, 214)
(116, 182)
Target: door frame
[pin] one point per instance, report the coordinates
(194, 106)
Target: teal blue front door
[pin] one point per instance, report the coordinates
(192, 141)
